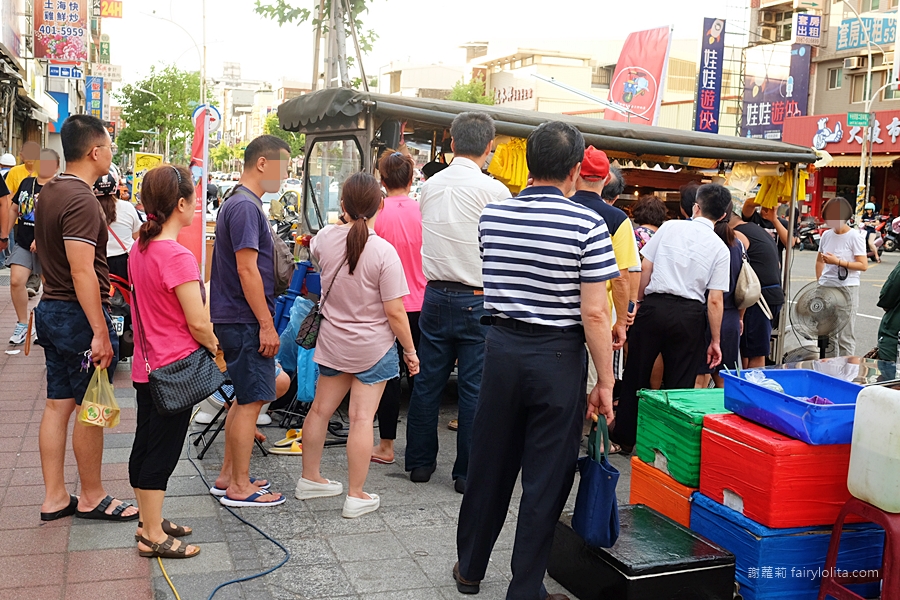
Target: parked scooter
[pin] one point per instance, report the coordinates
(120, 314)
(809, 235)
(892, 236)
(880, 227)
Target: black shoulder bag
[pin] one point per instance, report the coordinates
(308, 333)
(178, 386)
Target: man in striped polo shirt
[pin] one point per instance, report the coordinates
(546, 261)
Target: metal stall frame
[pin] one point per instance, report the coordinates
(339, 113)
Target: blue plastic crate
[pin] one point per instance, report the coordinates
(787, 413)
(785, 564)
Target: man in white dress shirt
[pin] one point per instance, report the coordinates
(451, 202)
(685, 271)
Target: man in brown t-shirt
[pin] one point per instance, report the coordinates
(71, 321)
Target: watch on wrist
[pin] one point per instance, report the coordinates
(2, 239)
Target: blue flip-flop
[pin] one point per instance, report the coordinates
(251, 500)
(219, 492)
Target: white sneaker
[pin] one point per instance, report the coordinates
(204, 418)
(357, 507)
(19, 335)
(307, 489)
(264, 419)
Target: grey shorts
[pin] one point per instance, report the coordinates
(25, 258)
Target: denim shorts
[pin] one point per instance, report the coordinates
(385, 369)
(65, 334)
(253, 375)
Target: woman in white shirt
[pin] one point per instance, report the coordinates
(123, 221)
(842, 257)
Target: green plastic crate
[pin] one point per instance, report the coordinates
(669, 427)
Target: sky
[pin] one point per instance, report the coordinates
(409, 30)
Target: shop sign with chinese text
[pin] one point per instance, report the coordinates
(94, 91)
(852, 34)
(709, 84)
(834, 134)
(60, 30)
(776, 88)
(110, 73)
(807, 29)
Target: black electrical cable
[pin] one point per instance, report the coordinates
(287, 554)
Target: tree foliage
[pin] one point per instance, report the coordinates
(167, 109)
(223, 156)
(283, 12)
(297, 141)
(473, 92)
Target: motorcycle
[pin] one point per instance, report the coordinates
(892, 236)
(809, 234)
(120, 314)
(879, 238)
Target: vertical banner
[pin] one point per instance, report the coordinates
(193, 237)
(60, 30)
(637, 83)
(709, 84)
(776, 87)
(94, 91)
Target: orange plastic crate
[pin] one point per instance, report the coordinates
(653, 488)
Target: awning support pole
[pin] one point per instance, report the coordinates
(786, 268)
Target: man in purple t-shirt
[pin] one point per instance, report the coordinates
(242, 302)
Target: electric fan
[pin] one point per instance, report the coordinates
(819, 313)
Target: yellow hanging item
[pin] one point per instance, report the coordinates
(509, 165)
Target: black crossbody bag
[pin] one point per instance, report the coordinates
(180, 385)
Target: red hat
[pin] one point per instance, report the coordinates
(595, 164)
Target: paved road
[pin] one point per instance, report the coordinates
(869, 315)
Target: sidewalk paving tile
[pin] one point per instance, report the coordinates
(133, 589)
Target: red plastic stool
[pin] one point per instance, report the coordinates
(890, 563)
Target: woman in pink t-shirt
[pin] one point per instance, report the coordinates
(173, 321)
(363, 288)
(400, 223)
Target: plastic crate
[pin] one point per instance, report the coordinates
(787, 413)
(669, 426)
(771, 478)
(651, 487)
(784, 564)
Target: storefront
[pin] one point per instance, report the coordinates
(832, 134)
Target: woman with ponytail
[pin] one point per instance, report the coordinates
(170, 323)
(363, 286)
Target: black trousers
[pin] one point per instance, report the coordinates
(529, 416)
(158, 442)
(665, 324)
(389, 407)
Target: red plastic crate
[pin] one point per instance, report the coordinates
(771, 478)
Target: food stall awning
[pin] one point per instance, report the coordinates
(315, 112)
(878, 160)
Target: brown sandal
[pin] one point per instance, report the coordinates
(164, 550)
(169, 528)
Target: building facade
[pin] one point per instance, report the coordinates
(844, 78)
